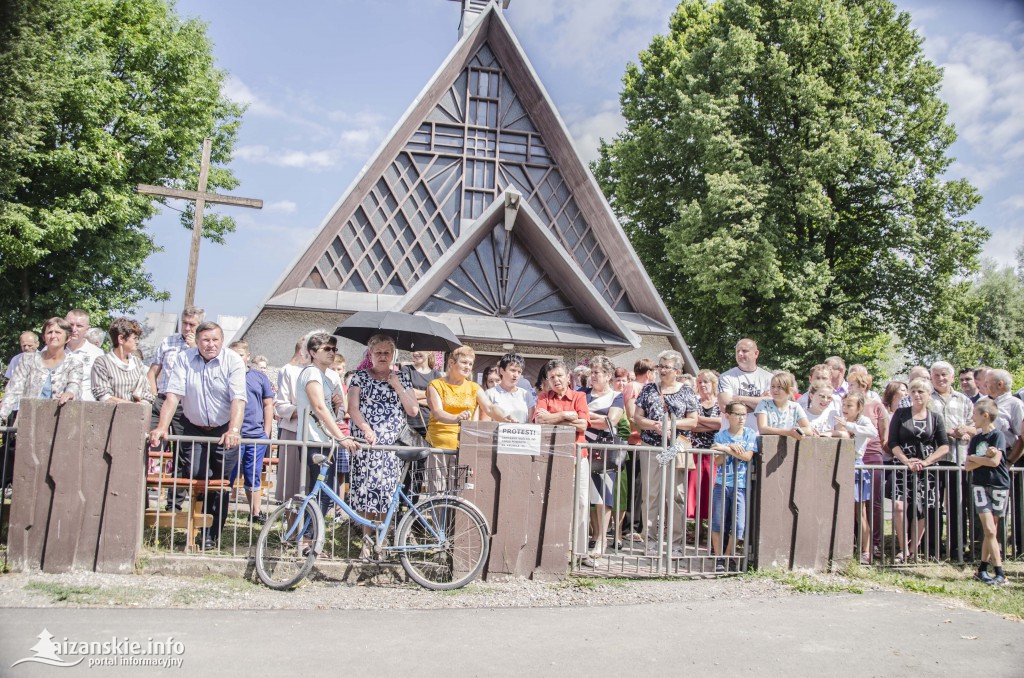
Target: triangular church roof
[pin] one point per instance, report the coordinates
(509, 266)
(483, 124)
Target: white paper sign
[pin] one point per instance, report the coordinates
(519, 439)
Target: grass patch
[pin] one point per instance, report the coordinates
(125, 596)
(803, 583)
(63, 593)
(590, 583)
(953, 582)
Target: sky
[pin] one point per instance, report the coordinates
(326, 81)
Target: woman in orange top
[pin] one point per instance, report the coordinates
(455, 398)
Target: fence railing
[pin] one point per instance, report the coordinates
(656, 519)
(200, 502)
(658, 513)
(7, 435)
(928, 516)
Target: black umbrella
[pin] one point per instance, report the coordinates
(410, 332)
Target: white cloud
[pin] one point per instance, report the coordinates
(345, 135)
(1003, 244)
(588, 131)
(316, 160)
(595, 35)
(283, 206)
(1014, 202)
(982, 177)
(239, 92)
(984, 86)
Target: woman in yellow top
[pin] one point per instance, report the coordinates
(456, 398)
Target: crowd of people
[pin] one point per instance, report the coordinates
(197, 386)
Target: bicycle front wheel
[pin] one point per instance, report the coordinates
(289, 543)
(443, 546)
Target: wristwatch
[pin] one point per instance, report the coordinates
(234, 429)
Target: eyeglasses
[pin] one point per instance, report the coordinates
(329, 349)
(666, 367)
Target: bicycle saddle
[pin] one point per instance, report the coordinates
(412, 455)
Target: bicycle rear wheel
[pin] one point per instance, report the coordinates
(445, 545)
(285, 556)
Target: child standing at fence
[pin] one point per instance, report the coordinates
(735, 446)
(852, 423)
(780, 415)
(990, 486)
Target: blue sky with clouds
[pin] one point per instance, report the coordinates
(326, 81)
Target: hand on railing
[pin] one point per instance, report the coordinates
(348, 442)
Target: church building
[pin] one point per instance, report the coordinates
(477, 211)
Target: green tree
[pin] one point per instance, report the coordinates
(96, 97)
(780, 176)
(997, 299)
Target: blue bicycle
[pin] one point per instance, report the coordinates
(442, 540)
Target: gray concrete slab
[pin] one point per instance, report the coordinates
(878, 633)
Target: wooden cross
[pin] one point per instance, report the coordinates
(201, 197)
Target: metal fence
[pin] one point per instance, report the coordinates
(903, 517)
(653, 519)
(201, 502)
(7, 436)
(659, 513)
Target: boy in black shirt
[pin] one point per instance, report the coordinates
(990, 486)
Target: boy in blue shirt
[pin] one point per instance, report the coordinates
(735, 446)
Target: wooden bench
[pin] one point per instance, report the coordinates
(192, 520)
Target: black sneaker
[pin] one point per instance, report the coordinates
(719, 565)
(984, 577)
(259, 519)
(734, 565)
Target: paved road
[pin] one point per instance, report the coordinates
(874, 634)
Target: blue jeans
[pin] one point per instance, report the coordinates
(735, 505)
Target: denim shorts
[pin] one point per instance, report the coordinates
(735, 503)
(862, 485)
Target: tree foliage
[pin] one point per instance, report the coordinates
(997, 300)
(96, 97)
(781, 177)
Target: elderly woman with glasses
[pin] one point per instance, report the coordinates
(562, 406)
(379, 400)
(918, 439)
(657, 403)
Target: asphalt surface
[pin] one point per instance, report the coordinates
(878, 633)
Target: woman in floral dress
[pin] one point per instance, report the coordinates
(379, 399)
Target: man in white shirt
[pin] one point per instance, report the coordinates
(82, 349)
(838, 375)
(746, 383)
(955, 409)
(289, 469)
(1011, 423)
(29, 342)
(209, 381)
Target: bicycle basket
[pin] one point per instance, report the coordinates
(449, 480)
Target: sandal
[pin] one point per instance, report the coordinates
(899, 559)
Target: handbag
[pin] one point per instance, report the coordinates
(684, 460)
(603, 461)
